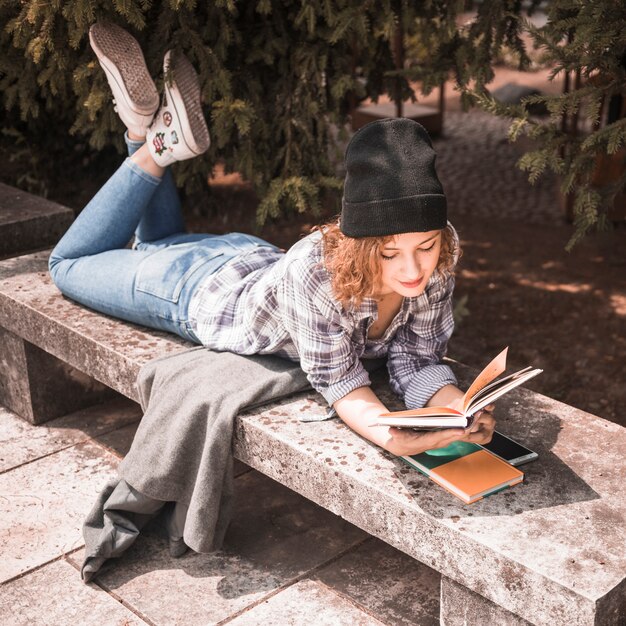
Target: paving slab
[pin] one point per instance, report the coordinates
(306, 602)
(511, 196)
(21, 442)
(275, 537)
(55, 596)
(119, 441)
(460, 606)
(240, 468)
(28, 221)
(43, 505)
(391, 585)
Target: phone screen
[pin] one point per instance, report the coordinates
(509, 450)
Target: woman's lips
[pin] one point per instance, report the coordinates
(412, 285)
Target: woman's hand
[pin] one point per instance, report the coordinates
(406, 442)
(481, 430)
(360, 408)
(483, 425)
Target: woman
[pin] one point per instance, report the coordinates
(378, 283)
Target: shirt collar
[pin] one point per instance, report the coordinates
(368, 308)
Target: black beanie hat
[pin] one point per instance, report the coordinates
(391, 185)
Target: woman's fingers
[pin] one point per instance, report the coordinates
(482, 429)
(479, 415)
(407, 441)
(426, 436)
(481, 437)
(443, 438)
(412, 441)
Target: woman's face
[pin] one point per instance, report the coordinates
(408, 261)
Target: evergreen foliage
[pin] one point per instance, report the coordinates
(278, 77)
(588, 41)
(274, 75)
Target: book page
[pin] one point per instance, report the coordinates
(424, 423)
(481, 392)
(493, 369)
(425, 412)
(496, 384)
(491, 396)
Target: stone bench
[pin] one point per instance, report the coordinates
(28, 222)
(548, 551)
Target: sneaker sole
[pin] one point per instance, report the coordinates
(121, 58)
(184, 96)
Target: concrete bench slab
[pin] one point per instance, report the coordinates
(549, 551)
(29, 222)
(48, 344)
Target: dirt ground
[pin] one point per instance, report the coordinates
(565, 313)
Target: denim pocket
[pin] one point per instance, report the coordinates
(165, 273)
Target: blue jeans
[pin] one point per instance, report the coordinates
(151, 284)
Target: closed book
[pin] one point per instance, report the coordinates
(466, 470)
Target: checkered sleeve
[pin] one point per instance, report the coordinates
(415, 353)
(319, 333)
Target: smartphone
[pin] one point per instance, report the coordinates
(509, 450)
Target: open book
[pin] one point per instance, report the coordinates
(485, 389)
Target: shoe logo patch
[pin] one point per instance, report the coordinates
(174, 137)
(167, 118)
(159, 143)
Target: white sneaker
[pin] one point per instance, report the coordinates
(179, 130)
(134, 92)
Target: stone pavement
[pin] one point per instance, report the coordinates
(477, 167)
(285, 560)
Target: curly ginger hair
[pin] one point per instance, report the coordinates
(354, 264)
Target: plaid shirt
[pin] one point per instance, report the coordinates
(265, 301)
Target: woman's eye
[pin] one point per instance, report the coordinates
(389, 258)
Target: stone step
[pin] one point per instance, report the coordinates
(29, 222)
(549, 550)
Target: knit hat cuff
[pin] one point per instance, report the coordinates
(378, 218)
